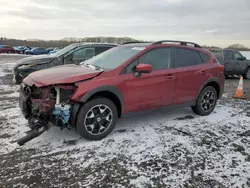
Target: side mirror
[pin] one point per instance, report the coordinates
(241, 59)
(143, 68)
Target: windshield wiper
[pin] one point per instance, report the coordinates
(92, 66)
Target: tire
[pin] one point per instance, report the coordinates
(198, 109)
(247, 74)
(85, 111)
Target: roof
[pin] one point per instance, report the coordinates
(96, 43)
(139, 44)
(179, 43)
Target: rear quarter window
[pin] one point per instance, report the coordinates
(205, 58)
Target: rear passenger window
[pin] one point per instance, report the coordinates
(228, 55)
(204, 57)
(187, 57)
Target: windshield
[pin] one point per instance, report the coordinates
(114, 57)
(65, 50)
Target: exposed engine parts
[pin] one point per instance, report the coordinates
(42, 106)
(61, 115)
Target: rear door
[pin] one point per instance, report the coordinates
(191, 71)
(230, 63)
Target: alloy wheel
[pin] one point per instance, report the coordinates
(98, 119)
(208, 101)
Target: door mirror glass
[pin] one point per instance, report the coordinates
(143, 68)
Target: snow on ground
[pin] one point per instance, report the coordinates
(160, 148)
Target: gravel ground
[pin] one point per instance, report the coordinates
(156, 149)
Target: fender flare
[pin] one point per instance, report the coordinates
(108, 88)
(216, 80)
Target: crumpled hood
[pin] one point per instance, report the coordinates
(63, 74)
(37, 59)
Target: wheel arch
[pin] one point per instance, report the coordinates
(214, 82)
(110, 92)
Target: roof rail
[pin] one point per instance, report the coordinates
(132, 42)
(175, 41)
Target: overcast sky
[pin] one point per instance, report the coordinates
(218, 22)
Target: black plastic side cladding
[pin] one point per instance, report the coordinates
(111, 89)
(74, 112)
(216, 80)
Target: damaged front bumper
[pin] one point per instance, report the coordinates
(43, 105)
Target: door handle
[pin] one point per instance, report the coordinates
(202, 72)
(170, 77)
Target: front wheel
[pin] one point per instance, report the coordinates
(206, 101)
(247, 74)
(96, 119)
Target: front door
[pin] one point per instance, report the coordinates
(241, 64)
(79, 55)
(150, 90)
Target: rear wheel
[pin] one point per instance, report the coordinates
(96, 119)
(247, 74)
(206, 101)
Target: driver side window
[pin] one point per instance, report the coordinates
(237, 56)
(84, 53)
(159, 58)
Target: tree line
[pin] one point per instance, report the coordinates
(67, 41)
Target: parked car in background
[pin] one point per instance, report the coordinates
(54, 50)
(127, 78)
(72, 54)
(22, 49)
(7, 49)
(49, 50)
(234, 62)
(36, 51)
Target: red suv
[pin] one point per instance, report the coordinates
(128, 78)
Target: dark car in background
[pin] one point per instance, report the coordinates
(36, 51)
(234, 62)
(7, 49)
(54, 50)
(72, 54)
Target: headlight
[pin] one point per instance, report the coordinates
(25, 66)
(35, 66)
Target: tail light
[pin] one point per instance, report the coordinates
(221, 68)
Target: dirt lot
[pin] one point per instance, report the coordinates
(157, 149)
